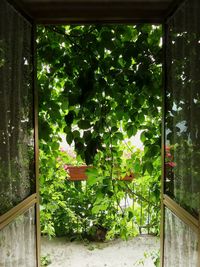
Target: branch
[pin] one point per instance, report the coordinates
(140, 196)
(69, 37)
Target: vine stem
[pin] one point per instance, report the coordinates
(69, 37)
(140, 196)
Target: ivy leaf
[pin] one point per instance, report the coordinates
(84, 124)
(96, 209)
(69, 137)
(79, 145)
(114, 129)
(130, 215)
(152, 151)
(148, 166)
(93, 176)
(87, 136)
(131, 130)
(55, 145)
(143, 136)
(118, 136)
(44, 130)
(137, 166)
(76, 134)
(141, 117)
(69, 118)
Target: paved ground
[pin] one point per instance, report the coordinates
(115, 253)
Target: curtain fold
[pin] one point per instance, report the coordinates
(16, 109)
(181, 243)
(18, 242)
(182, 149)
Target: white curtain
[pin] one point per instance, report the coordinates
(183, 107)
(16, 108)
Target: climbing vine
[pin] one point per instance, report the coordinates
(100, 85)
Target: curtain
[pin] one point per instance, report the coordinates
(182, 147)
(16, 109)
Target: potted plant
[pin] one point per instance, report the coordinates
(127, 177)
(77, 173)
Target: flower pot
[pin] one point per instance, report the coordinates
(77, 173)
(127, 177)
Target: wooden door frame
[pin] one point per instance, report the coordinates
(34, 199)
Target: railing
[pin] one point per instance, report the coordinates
(145, 212)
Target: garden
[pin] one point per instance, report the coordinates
(100, 89)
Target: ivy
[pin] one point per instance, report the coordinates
(98, 79)
(76, 209)
(99, 85)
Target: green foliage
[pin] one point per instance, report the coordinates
(55, 212)
(84, 209)
(100, 80)
(99, 85)
(154, 255)
(45, 260)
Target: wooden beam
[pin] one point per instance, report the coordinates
(96, 11)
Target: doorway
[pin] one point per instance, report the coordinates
(175, 209)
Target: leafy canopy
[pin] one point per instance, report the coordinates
(100, 84)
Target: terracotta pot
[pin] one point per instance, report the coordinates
(77, 173)
(129, 177)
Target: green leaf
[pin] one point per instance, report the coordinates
(44, 130)
(69, 138)
(84, 124)
(130, 215)
(76, 134)
(69, 118)
(55, 145)
(114, 129)
(141, 99)
(141, 118)
(137, 166)
(118, 136)
(131, 130)
(93, 176)
(148, 166)
(143, 137)
(98, 208)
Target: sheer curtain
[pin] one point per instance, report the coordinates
(17, 239)
(182, 147)
(183, 107)
(17, 242)
(181, 243)
(16, 109)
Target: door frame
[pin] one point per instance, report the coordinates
(166, 201)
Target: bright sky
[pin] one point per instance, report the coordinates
(135, 140)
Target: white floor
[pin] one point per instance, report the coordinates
(116, 253)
